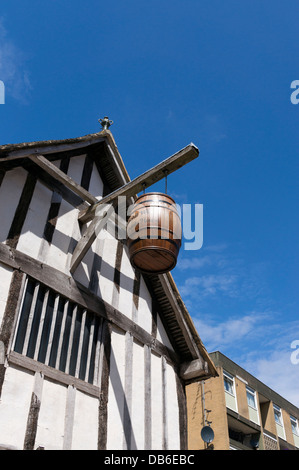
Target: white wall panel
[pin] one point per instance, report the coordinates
(138, 397)
(50, 428)
(96, 184)
(5, 280)
(10, 192)
(57, 255)
(156, 398)
(86, 423)
(126, 285)
(32, 232)
(14, 406)
(115, 432)
(75, 168)
(83, 272)
(173, 425)
(144, 316)
(161, 334)
(106, 282)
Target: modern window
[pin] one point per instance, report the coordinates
(277, 415)
(295, 430)
(252, 405)
(230, 394)
(228, 383)
(251, 397)
(294, 424)
(58, 333)
(279, 421)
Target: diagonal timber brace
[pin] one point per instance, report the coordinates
(97, 224)
(59, 175)
(130, 189)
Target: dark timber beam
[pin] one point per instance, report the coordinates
(88, 238)
(67, 287)
(194, 369)
(20, 151)
(145, 180)
(62, 177)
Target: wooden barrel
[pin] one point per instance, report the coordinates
(154, 233)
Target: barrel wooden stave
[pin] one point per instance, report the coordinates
(154, 234)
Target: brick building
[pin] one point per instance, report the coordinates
(243, 413)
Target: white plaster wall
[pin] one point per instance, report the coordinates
(156, 402)
(14, 407)
(126, 286)
(173, 424)
(86, 422)
(116, 391)
(10, 192)
(83, 272)
(96, 184)
(50, 427)
(34, 224)
(137, 417)
(67, 221)
(5, 280)
(75, 168)
(161, 334)
(106, 282)
(57, 254)
(144, 316)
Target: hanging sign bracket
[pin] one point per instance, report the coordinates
(130, 189)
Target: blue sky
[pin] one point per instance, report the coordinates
(168, 73)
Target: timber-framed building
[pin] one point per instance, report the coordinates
(97, 358)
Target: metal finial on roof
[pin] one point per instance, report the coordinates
(105, 123)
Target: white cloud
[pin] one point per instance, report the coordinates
(12, 68)
(215, 274)
(224, 336)
(234, 311)
(219, 247)
(195, 263)
(198, 287)
(276, 370)
(260, 344)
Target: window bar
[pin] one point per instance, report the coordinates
(91, 334)
(53, 321)
(98, 355)
(19, 316)
(77, 339)
(80, 345)
(30, 318)
(65, 310)
(41, 324)
(68, 359)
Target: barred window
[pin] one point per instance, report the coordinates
(59, 333)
